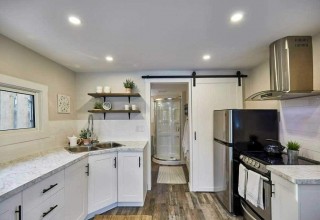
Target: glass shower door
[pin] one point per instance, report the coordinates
(168, 135)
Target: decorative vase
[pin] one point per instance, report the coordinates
(128, 90)
(292, 156)
(86, 142)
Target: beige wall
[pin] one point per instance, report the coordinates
(21, 62)
(299, 118)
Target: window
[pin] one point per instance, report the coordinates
(16, 109)
(23, 110)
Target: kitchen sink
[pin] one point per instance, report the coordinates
(98, 146)
(107, 145)
(80, 149)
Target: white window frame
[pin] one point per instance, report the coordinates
(40, 93)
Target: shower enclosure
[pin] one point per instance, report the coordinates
(167, 117)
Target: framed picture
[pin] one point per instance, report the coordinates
(63, 104)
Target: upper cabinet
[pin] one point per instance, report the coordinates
(105, 95)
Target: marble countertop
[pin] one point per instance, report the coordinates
(298, 174)
(20, 174)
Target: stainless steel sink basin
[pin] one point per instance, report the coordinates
(98, 146)
(107, 145)
(80, 149)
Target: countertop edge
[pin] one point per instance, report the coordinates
(299, 181)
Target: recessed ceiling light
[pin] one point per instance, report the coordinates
(74, 20)
(109, 58)
(206, 57)
(236, 17)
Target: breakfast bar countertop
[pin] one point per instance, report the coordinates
(298, 174)
(20, 174)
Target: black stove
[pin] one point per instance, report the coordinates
(258, 160)
(264, 158)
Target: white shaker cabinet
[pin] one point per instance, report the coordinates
(45, 199)
(10, 209)
(293, 201)
(76, 190)
(102, 181)
(131, 178)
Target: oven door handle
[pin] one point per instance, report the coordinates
(248, 213)
(271, 187)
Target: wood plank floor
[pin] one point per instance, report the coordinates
(166, 201)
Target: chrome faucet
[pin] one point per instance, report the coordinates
(93, 138)
(90, 122)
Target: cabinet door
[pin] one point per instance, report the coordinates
(9, 208)
(130, 177)
(76, 191)
(102, 181)
(218, 94)
(284, 200)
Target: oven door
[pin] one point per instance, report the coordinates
(251, 212)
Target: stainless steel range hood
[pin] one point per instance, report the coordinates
(291, 70)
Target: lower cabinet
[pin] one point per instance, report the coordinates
(293, 201)
(45, 199)
(130, 177)
(102, 181)
(10, 209)
(89, 186)
(76, 190)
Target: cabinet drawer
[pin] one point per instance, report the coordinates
(41, 191)
(52, 208)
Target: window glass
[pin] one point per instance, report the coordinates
(16, 110)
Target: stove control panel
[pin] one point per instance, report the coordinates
(254, 164)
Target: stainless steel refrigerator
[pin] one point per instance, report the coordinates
(235, 131)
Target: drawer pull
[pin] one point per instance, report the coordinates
(139, 161)
(115, 162)
(88, 169)
(50, 210)
(19, 212)
(51, 186)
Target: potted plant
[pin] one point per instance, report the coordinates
(98, 105)
(85, 135)
(293, 150)
(128, 85)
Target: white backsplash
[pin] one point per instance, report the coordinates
(112, 130)
(300, 121)
(57, 137)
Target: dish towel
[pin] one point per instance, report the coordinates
(253, 188)
(242, 180)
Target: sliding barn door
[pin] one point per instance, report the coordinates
(209, 95)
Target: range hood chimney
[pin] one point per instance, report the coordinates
(291, 70)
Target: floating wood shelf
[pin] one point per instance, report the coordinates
(114, 111)
(104, 95)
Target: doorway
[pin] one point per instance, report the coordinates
(168, 108)
(168, 118)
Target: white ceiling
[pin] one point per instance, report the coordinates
(155, 35)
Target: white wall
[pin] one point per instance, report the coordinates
(21, 62)
(117, 126)
(299, 118)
